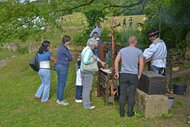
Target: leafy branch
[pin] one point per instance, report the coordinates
(125, 6)
(75, 7)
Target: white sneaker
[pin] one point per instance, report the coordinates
(92, 107)
(62, 102)
(78, 101)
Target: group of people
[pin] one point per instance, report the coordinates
(132, 65)
(130, 23)
(61, 67)
(84, 79)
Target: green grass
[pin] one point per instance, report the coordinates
(19, 108)
(4, 53)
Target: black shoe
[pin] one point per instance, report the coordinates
(131, 114)
(122, 113)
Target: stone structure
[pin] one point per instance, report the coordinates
(11, 46)
(32, 47)
(151, 105)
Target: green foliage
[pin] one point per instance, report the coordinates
(172, 18)
(188, 120)
(178, 104)
(167, 116)
(17, 20)
(81, 38)
(93, 16)
(22, 49)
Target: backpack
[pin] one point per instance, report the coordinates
(34, 63)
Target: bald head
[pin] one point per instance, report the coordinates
(132, 40)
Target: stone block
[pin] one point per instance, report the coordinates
(151, 105)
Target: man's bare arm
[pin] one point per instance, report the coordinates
(141, 66)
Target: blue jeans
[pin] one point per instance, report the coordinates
(95, 51)
(45, 76)
(78, 92)
(128, 86)
(108, 58)
(62, 72)
(158, 70)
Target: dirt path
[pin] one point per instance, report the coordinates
(179, 113)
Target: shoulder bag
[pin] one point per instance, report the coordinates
(34, 63)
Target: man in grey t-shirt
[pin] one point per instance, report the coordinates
(132, 65)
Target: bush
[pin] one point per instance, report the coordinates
(22, 49)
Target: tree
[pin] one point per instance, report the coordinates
(165, 13)
(172, 18)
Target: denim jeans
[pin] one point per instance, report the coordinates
(44, 89)
(158, 70)
(128, 86)
(62, 72)
(108, 58)
(95, 51)
(78, 92)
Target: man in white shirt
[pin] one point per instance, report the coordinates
(156, 53)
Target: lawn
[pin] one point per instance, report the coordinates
(18, 84)
(19, 108)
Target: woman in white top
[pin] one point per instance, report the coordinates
(44, 57)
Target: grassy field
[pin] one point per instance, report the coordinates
(4, 53)
(19, 108)
(18, 84)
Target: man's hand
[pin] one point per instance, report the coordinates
(139, 77)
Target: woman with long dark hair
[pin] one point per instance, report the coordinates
(44, 57)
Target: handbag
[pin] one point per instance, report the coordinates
(91, 67)
(34, 63)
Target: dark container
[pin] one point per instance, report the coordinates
(179, 89)
(152, 83)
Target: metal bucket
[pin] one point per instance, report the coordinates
(170, 102)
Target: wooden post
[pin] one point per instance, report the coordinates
(113, 46)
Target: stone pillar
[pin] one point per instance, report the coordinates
(151, 105)
(187, 53)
